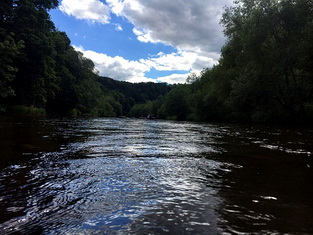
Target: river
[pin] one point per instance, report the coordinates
(131, 176)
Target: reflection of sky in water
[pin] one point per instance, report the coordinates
(167, 189)
(114, 137)
(142, 176)
(146, 138)
(122, 193)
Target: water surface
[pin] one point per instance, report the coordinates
(108, 176)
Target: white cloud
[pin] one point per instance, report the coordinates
(142, 35)
(116, 6)
(91, 10)
(181, 60)
(117, 67)
(173, 78)
(118, 27)
(186, 25)
(192, 27)
(121, 69)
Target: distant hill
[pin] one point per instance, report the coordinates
(138, 92)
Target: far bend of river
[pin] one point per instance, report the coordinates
(131, 176)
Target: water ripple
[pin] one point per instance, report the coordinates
(138, 176)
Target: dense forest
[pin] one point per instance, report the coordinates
(41, 73)
(265, 73)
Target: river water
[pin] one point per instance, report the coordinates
(130, 176)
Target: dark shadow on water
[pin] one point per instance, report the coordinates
(135, 176)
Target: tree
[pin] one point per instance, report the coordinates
(192, 77)
(36, 80)
(269, 44)
(175, 104)
(9, 50)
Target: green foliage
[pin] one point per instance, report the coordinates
(148, 108)
(35, 80)
(265, 73)
(39, 69)
(130, 94)
(175, 105)
(9, 50)
(269, 47)
(21, 110)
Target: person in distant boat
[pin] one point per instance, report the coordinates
(151, 116)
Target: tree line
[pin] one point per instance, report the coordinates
(265, 72)
(41, 72)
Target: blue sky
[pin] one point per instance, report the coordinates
(144, 40)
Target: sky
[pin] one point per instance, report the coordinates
(145, 40)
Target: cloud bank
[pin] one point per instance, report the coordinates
(134, 71)
(192, 27)
(187, 25)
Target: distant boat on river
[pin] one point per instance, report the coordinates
(150, 116)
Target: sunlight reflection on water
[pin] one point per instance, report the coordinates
(141, 176)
